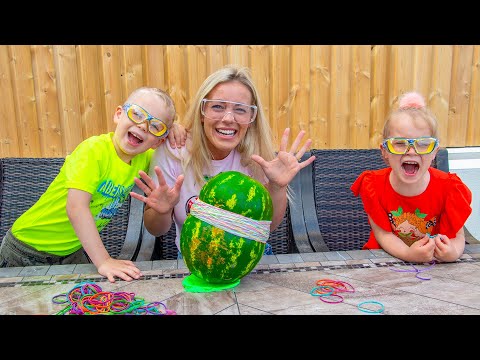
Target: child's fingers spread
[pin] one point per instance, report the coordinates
(161, 179)
(141, 185)
(144, 176)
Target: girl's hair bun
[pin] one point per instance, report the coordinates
(411, 100)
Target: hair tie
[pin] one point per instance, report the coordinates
(412, 100)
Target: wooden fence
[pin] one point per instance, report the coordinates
(55, 96)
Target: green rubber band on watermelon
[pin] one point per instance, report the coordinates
(193, 283)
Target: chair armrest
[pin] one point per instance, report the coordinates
(442, 160)
(299, 232)
(147, 244)
(309, 210)
(469, 238)
(135, 223)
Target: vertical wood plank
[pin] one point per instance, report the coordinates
(50, 127)
(177, 77)
(197, 69)
(401, 72)
(319, 98)
(422, 69)
(379, 96)
(91, 90)
(260, 70)
(440, 88)
(360, 98)
(280, 100)
(300, 80)
(216, 58)
(114, 92)
(238, 54)
(473, 129)
(153, 63)
(133, 71)
(9, 146)
(340, 97)
(69, 97)
(459, 95)
(25, 101)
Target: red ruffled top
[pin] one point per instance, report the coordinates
(442, 208)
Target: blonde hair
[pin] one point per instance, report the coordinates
(413, 104)
(170, 105)
(258, 139)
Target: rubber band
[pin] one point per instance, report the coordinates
(417, 271)
(315, 291)
(236, 224)
(60, 299)
(329, 301)
(369, 311)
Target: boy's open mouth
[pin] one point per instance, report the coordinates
(134, 139)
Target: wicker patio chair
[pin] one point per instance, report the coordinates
(335, 219)
(23, 181)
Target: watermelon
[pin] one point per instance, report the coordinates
(218, 256)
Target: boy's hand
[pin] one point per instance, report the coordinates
(177, 136)
(161, 198)
(124, 269)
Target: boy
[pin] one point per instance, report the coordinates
(94, 181)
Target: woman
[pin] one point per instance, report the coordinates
(226, 130)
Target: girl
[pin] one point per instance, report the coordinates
(416, 212)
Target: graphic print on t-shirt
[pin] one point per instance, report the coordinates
(115, 196)
(411, 227)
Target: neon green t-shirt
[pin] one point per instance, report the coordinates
(94, 167)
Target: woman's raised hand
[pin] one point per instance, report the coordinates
(283, 168)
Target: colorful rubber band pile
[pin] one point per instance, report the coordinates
(327, 289)
(88, 299)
